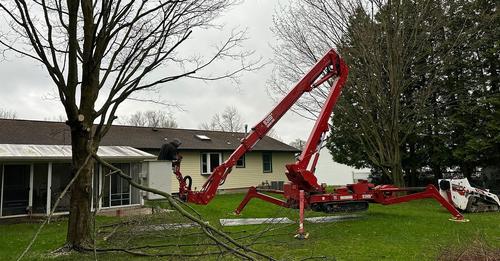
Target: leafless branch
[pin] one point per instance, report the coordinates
(210, 231)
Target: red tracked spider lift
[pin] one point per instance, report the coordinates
(352, 197)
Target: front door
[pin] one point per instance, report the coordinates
(16, 188)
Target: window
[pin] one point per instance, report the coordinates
(116, 189)
(241, 162)
(61, 176)
(16, 188)
(40, 180)
(210, 161)
(136, 169)
(267, 162)
(202, 137)
(120, 189)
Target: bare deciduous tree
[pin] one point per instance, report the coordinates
(298, 143)
(274, 134)
(99, 54)
(388, 46)
(60, 118)
(7, 114)
(154, 119)
(229, 120)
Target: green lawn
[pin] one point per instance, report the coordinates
(418, 230)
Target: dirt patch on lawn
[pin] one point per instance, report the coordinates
(476, 250)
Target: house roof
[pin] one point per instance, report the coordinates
(58, 133)
(61, 152)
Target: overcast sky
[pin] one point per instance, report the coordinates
(26, 89)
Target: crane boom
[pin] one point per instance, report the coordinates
(303, 189)
(330, 66)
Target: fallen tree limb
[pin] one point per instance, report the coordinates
(199, 244)
(207, 228)
(105, 238)
(136, 253)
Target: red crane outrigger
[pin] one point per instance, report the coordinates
(353, 197)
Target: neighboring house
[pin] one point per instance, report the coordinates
(34, 176)
(333, 173)
(35, 157)
(203, 150)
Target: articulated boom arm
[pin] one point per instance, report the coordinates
(302, 171)
(330, 66)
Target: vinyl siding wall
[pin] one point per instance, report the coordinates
(251, 175)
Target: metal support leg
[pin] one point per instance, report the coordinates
(301, 234)
(429, 192)
(253, 193)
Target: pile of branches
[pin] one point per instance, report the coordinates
(478, 249)
(224, 243)
(214, 242)
(175, 231)
(169, 234)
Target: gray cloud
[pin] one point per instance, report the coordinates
(26, 88)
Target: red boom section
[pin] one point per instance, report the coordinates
(359, 192)
(328, 67)
(301, 172)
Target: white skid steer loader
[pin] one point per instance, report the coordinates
(463, 196)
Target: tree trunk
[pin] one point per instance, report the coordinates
(79, 225)
(467, 170)
(397, 175)
(396, 166)
(412, 180)
(438, 174)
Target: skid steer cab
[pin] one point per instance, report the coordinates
(465, 197)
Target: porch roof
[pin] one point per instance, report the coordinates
(63, 152)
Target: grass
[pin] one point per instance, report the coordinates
(418, 230)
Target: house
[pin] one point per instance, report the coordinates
(333, 173)
(35, 161)
(34, 176)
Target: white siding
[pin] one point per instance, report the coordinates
(158, 177)
(333, 173)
